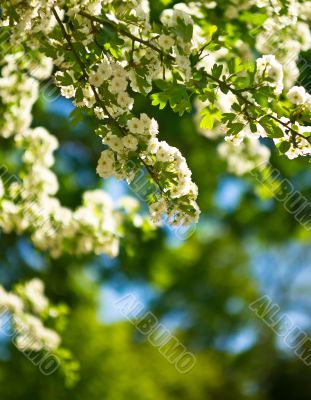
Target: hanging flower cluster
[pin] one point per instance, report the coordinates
(28, 306)
(30, 205)
(247, 156)
(34, 326)
(19, 91)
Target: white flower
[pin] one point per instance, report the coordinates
(153, 146)
(117, 85)
(11, 301)
(135, 125)
(104, 69)
(154, 127)
(105, 164)
(157, 209)
(125, 101)
(145, 120)
(130, 204)
(112, 18)
(96, 79)
(68, 91)
(115, 143)
(268, 66)
(130, 142)
(99, 112)
(119, 72)
(308, 101)
(33, 290)
(292, 153)
(297, 95)
(94, 7)
(89, 99)
(182, 61)
(166, 42)
(164, 152)
(150, 125)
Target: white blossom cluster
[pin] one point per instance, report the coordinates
(30, 205)
(269, 72)
(138, 135)
(285, 35)
(245, 157)
(35, 16)
(109, 78)
(299, 145)
(181, 48)
(19, 91)
(242, 152)
(297, 95)
(269, 67)
(27, 306)
(141, 137)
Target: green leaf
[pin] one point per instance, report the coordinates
(207, 122)
(255, 18)
(224, 88)
(236, 107)
(217, 70)
(65, 80)
(175, 94)
(235, 66)
(271, 127)
(159, 99)
(235, 128)
(161, 84)
(209, 95)
(76, 116)
(79, 94)
(228, 117)
(184, 30)
(241, 82)
(253, 128)
(307, 134)
(283, 147)
(209, 116)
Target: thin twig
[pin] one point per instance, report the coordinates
(122, 31)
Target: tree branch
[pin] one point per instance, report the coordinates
(238, 94)
(98, 100)
(123, 32)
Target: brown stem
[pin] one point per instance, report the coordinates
(123, 32)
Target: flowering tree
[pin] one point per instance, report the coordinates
(234, 64)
